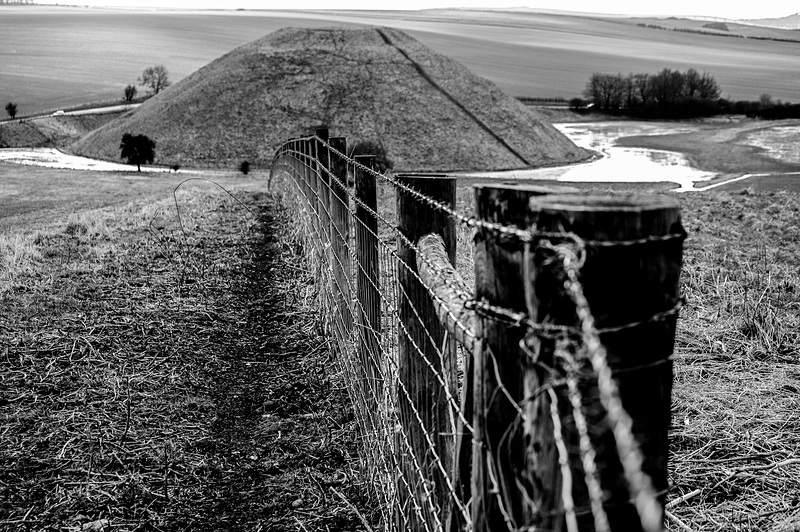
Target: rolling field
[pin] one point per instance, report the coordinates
(58, 56)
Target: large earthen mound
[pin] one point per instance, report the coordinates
(376, 84)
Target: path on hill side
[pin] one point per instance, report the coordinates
(282, 435)
(452, 99)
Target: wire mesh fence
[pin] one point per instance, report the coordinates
(539, 400)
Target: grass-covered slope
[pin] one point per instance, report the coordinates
(378, 84)
(49, 131)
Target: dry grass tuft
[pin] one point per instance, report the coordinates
(18, 257)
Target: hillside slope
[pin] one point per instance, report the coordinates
(376, 84)
(49, 131)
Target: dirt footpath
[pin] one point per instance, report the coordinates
(168, 375)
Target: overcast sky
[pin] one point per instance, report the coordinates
(736, 9)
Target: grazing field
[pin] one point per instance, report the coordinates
(60, 56)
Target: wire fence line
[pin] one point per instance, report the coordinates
(539, 400)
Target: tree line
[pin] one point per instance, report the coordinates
(672, 94)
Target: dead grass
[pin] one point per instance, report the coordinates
(736, 428)
(159, 377)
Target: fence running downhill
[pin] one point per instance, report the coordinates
(540, 399)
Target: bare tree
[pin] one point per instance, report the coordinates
(155, 78)
(709, 88)
(692, 83)
(606, 91)
(641, 83)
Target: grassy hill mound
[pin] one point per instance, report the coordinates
(375, 84)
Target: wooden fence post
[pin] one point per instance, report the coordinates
(304, 178)
(323, 183)
(630, 279)
(424, 348)
(340, 237)
(314, 194)
(499, 452)
(305, 172)
(368, 279)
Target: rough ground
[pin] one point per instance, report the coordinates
(165, 374)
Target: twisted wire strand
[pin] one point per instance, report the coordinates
(587, 451)
(563, 462)
(640, 483)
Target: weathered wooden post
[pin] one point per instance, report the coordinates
(368, 280)
(314, 195)
(323, 183)
(423, 346)
(498, 461)
(304, 180)
(340, 238)
(631, 248)
(305, 172)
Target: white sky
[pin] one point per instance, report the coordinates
(736, 9)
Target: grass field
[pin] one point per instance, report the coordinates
(164, 372)
(130, 335)
(59, 56)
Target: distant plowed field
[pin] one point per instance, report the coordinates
(59, 56)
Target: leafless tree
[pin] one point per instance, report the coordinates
(155, 78)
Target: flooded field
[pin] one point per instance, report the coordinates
(623, 164)
(782, 142)
(53, 158)
(616, 164)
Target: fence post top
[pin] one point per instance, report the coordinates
(537, 190)
(603, 202)
(411, 176)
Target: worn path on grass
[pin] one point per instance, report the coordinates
(153, 378)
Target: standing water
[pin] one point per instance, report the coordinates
(619, 164)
